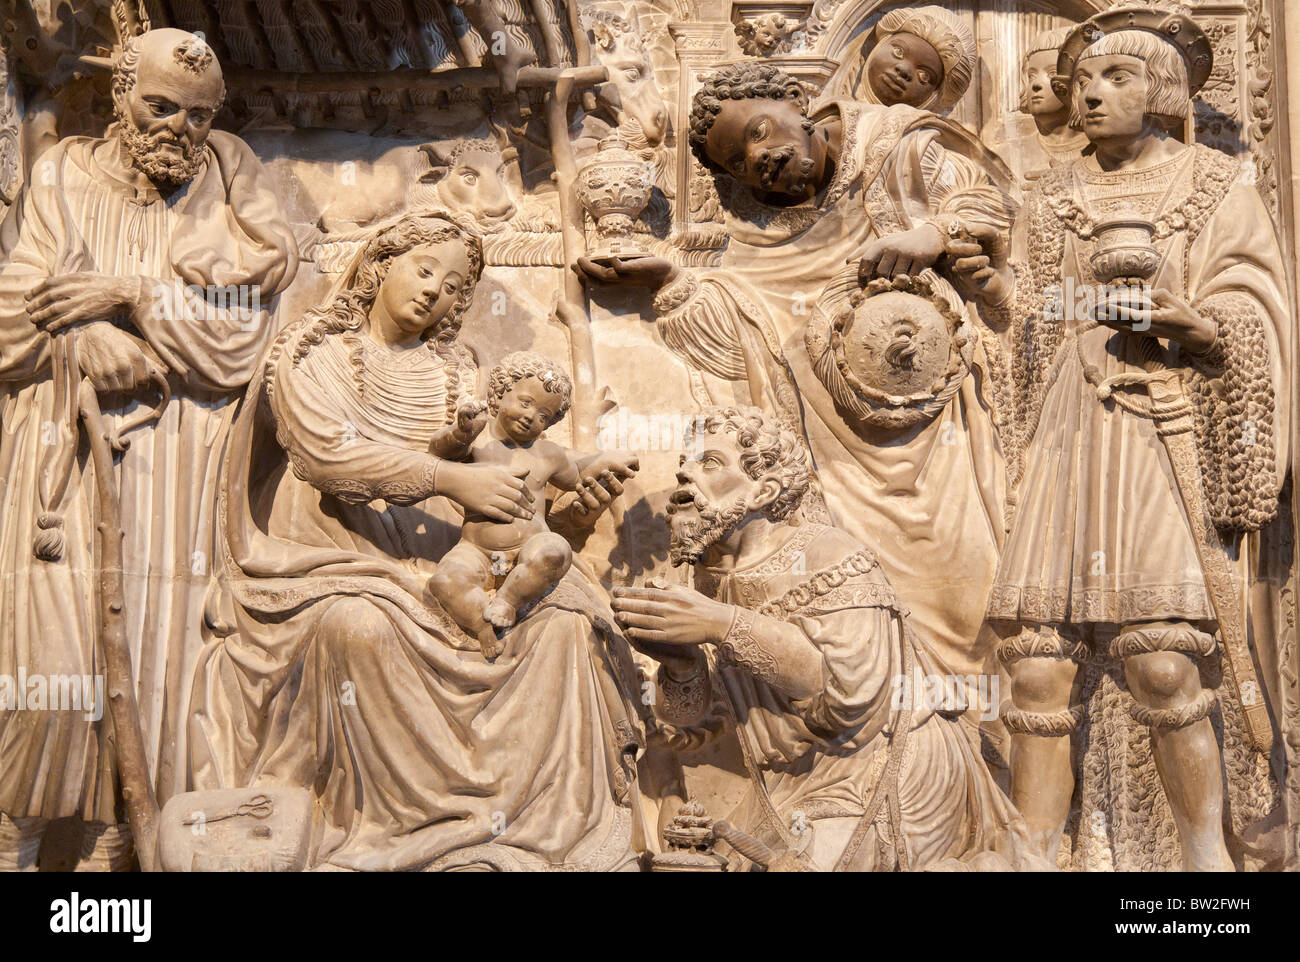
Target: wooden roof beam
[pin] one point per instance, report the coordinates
(474, 78)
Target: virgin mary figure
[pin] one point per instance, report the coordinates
(329, 665)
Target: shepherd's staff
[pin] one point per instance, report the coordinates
(125, 735)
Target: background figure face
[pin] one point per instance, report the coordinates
(711, 498)
(763, 143)
(422, 285)
(1040, 100)
(166, 114)
(1111, 92)
(528, 408)
(904, 69)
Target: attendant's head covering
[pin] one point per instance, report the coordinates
(951, 39)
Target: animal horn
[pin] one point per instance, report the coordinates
(436, 152)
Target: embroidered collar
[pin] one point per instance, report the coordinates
(783, 558)
(1066, 191)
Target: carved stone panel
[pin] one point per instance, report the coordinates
(675, 435)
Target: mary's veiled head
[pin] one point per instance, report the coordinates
(413, 279)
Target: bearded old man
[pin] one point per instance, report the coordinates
(156, 251)
(801, 646)
(890, 190)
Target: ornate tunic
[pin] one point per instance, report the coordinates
(1100, 531)
(930, 500)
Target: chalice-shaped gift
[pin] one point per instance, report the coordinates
(1124, 255)
(615, 187)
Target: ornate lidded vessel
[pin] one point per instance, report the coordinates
(615, 187)
(689, 843)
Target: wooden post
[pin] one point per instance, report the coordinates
(125, 735)
(574, 313)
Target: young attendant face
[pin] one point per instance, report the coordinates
(1039, 70)
(423, 284)
(904, 69)
(527, 409)
(761, 142)
(1111, 96)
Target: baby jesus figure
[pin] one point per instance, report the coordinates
(522, 558)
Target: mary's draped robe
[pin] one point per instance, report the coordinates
(421, 754)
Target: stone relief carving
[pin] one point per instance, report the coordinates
(891, 354)
(631, 91)
(590, 435)
(519, 560)
(780, 593)
(10, 147)
(1185, 191)
(1058, 141)
(178, 292)
(922, 56)
(768, 33)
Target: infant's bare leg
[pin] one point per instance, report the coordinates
(542, 562)
(460, 584)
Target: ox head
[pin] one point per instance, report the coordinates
(631, 92)
(466, 176)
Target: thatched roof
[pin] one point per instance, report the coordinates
(368, 36)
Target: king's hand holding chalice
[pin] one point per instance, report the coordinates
(1124, 262)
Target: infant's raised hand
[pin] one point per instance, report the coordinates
(596, 492)
(471, 416)
(624, 465)
(621, 466)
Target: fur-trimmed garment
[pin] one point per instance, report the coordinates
(1100, 533)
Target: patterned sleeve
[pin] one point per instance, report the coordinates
(1241, 388)
(1233, 401)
